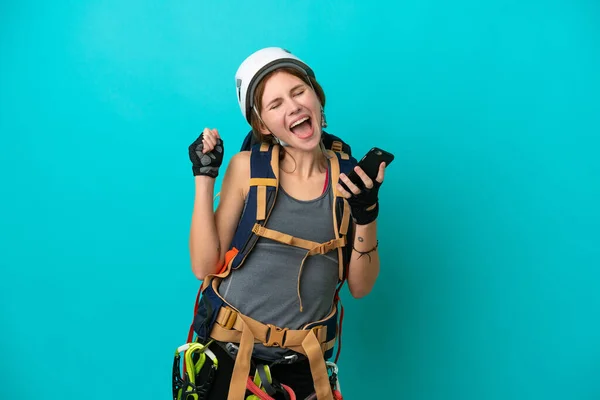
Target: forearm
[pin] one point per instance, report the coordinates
(364, 268)
(205, 251)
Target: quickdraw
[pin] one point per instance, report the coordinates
(196, 381)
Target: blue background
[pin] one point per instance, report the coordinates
(489, 230)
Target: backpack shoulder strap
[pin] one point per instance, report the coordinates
(341, 163)
(264, 177)
(336, 144)
(264, 180)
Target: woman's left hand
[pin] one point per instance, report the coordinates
(364, 203)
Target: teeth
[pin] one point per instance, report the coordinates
(299, 122)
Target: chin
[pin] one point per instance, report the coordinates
(308, 144)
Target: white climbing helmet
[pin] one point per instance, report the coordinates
(256, 66)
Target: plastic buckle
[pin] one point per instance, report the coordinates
(317, 331)
(275, 336)
(232, 349)
(230, 319)
(258, 229)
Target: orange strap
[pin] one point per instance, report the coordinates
(223, 271)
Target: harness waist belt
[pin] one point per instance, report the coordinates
(231, 326)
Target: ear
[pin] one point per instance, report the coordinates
(263, 129)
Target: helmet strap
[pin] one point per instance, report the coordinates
(323, 119)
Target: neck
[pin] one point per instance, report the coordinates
(303, 164)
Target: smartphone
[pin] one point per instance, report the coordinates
(370, 164)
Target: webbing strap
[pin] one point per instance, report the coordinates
(313, 247)
(343, 227)
(345, 219)
(261, 203)
(241, 368)
(263, 182)
(335, 172)
(318, 368)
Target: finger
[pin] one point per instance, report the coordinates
(207, 144)
(381, 172)
(205, 133)
(215, 132)
(211, 141)
(206, 147)
(353, 188)
(365, 178)
(343, 191)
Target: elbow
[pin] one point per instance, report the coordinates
(198, 272)
(360, 285)
(359, 291)
(201, 268)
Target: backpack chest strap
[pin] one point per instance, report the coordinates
(312, 247)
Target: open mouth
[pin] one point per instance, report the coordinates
(302, 128)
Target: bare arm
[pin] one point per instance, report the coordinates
(204, 240)
(363, 269)
(211, 232)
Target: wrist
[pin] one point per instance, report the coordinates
(203, 180)
(364, 216)
(366, 252)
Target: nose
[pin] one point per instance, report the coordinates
(293, 107)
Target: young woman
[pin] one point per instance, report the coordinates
(278, 285)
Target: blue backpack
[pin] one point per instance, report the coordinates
(215, 319)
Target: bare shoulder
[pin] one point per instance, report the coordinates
(238, 173)
(241, 160)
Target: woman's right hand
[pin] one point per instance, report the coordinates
(206, 153)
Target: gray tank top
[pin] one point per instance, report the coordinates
(265, 286)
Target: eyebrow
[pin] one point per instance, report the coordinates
(291, 90)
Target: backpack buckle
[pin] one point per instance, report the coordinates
(275, 336)
(336, 146)
(228, 318)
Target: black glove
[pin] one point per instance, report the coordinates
(359, 203)
(206, 164)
